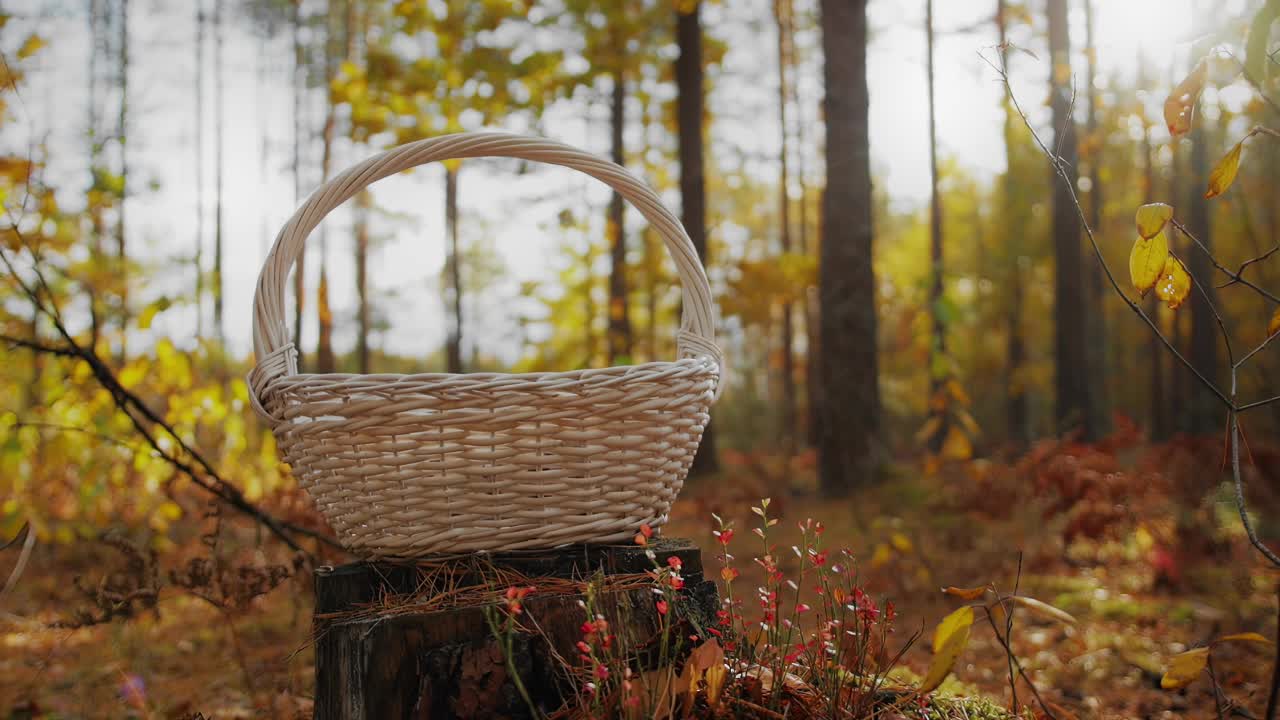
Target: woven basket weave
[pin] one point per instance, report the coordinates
(410, 465)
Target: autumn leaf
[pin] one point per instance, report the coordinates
(1043, 609)
(1151, 218)
(957, 445)
(149, 312)
(1274, 326)
(1181, 103)
(1252, 637)
(1174, 284)
(1184, 668)
(949, 640)
(30, 46)
(1224, 173)
(1147, 261)
(965, 593)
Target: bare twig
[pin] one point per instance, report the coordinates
(186, 459)
(1235, 276)
(1245, 266)
(1044, 707)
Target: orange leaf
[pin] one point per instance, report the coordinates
(1244, 637)
(1181, 103)
(965, 593)
(1274, 326)
(1224, 173)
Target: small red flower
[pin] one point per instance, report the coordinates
(602, 672)
(675, 563)
(724, 536)
(662, 607)
(646, 531)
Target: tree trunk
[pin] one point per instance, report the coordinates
(299, 82)
(325, 361)
(693, 204)
(94, 130)
(1205, 414)
(1158, 413)
(198, 257)
(619, 317)
(1017, 415)
(218, 326)
(1097, 411)
(938, 373)
(850, 407)
(364, 202)
(453, 344)
(1072, 386)
(122, 135)
(782, 15)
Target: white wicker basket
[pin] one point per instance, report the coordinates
(410, 465)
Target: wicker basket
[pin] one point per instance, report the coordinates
(410, 465)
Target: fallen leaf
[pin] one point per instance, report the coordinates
(949, 640)
(1224, 173)
(1147, 261)
(1043, 609)
(1174, 284)
(965, 593)
(1151, 218)
(1184, 668)
(1244, 637)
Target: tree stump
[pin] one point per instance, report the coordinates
(411, 639)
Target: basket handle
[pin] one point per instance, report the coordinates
(272, 346)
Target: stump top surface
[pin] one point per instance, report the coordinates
(343, 587)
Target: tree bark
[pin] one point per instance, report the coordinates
(693, 205)
(1095, 295)
(938, 339)
(1017, 415)
(1071, 372)
(619, 317)
(453, 343)
(782, 15)
(849, 369)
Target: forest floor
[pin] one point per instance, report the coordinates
(1139, 543)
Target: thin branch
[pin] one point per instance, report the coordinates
(144, 420)
(1258, 403)
(1044, 707)
(1245, 265)
(1235, 276)
(1212, 387)
(1239, 489)
(38, 346)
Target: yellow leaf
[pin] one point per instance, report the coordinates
(949, 640)
(957, 445)
(929, 429)
(965, 593)
(901, 543)
(1146, 261)
(1180, 105)
(1151, 218)
(1185, 667)
(1244, 637)
(708, 659)
(30, 46)
(1274, 326)
(881, 556)
(1043, 608)
(150, 311)
(1224, 173)
(1174, 284)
